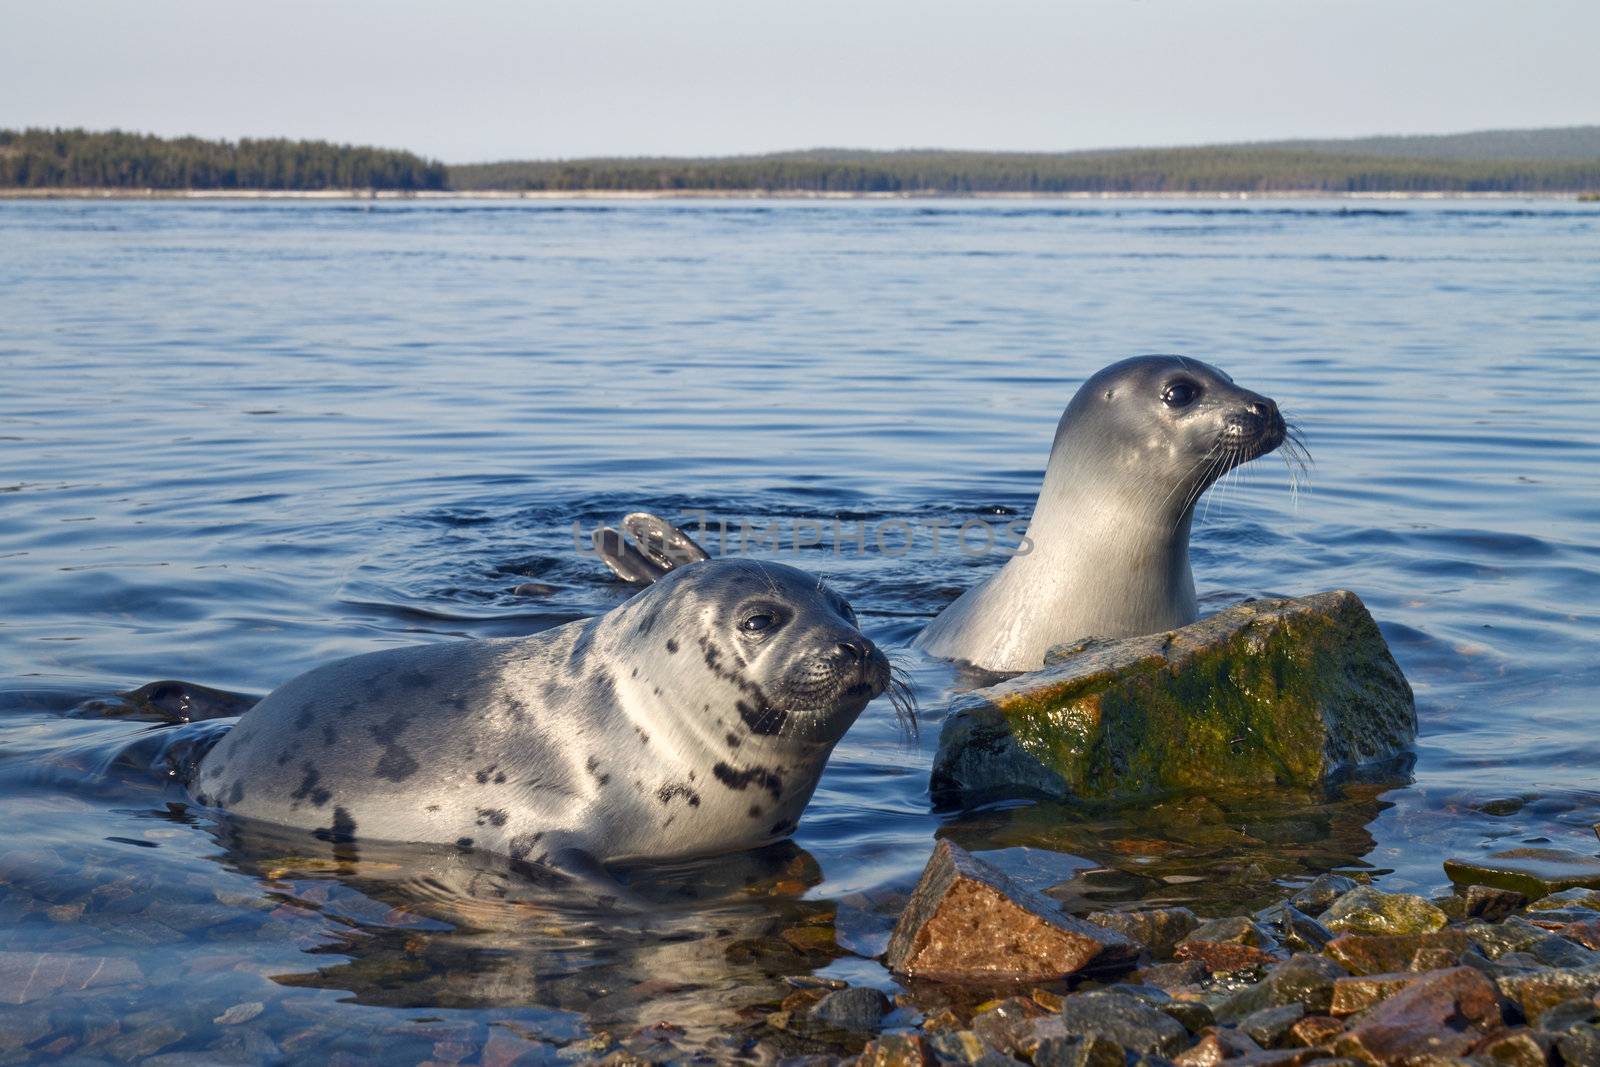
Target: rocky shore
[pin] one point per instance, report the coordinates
(1337, 972)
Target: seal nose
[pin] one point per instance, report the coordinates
(1263, 409)
(855, 650)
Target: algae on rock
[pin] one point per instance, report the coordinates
(1269, 692)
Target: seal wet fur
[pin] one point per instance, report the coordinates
(1137, 446)
(696, 718)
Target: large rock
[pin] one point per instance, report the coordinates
(966, 921)
(1285, 692)
(1444, 1013)
(1533, 872)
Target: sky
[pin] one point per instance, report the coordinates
(478, 80)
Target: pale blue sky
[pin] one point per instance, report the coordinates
(498, 79)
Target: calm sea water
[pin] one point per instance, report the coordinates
(240, 439)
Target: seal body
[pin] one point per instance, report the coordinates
(1137, 446)
(695, 718)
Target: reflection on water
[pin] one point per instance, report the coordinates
(243, 439)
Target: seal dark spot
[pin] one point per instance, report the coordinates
(303, 719)
(283, 757)
(500, 779)
(755, 811)
(483, 775)
(330, 736)
(492, 816)
(310, 787)
(414, 679)
(580, 649)
(760, 776)
(431, 807)
(236, 794)
(463, 842)
(396, 765)
(673, 789)
(593, 767)
(672, 647)
(456, 703)
(522, 844)
(605, 689)
(762, 718)
(644, 738)
(390, 728)
(732, 739)
(343, 828)
(554, 693)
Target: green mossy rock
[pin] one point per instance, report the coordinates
(1270, 692)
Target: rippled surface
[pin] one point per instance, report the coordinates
(237, 440)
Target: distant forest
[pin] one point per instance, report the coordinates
(41, 159)
(1507, 161)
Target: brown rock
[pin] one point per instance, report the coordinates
(1217, 1044)
(967, 921)
(1225, 957)
(1170, 976)
(1314, 1031)
(1006, 1025)
(1358, 993)
(896, 1050)
(1385, 954)
(1442, 1013)
(1536, 992)
(1157, 929)
(1517, 1048)
(1491, 904)
(1585, 932)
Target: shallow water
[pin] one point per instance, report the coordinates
(240, 439)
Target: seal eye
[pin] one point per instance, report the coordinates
(760, 622)
(1179, 394)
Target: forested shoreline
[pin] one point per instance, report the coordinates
(1568, 162)
(79, 159)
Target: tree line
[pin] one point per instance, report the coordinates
(43, 159)
(1175, 170)
(40, 159)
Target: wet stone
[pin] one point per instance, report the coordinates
(858, 1009)
(966, 1047)
(1158, 929)
(1237, 930)
(1382, 954)
(1273, 692)
(1534, 872)
(1293, 928)
(1215, 1046)
(1365, 910)
(1570, 1013)
(1007, 1025)
(1124, 1019)
(1580, 1046)
(1315, 898)
(1360, 992)
(1268, 1026)
(1490, 903)
(1225, 958)
(1195, 1015)
(1518, 1048)
(1536, 992)
(1314, 1030)
(897, 1050)
(1171, 976)
(1442, 1013)
(1307, 981)
(1089, 1051)
(966, 921)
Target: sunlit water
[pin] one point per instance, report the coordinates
(238, 440)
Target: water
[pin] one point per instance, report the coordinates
(240, 439)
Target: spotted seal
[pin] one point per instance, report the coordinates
(693, 719)
(1137, 446)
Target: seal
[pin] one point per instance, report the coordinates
(693, 719)
(1137, 446)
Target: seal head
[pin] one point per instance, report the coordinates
(695, 718)
(1137, 446)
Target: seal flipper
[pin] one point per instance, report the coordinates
(589, 876)
(651, 548)
(666, 545)
(625, 561)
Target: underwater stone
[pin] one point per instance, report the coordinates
(966, 921)
(1285, 692)
(1158, 929)
(1126, 1020)
(857, 1008)
(1365, 910)
(1534, 872)
(1323, 890)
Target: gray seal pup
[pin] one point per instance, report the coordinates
(695, 718)
(1137, 446)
